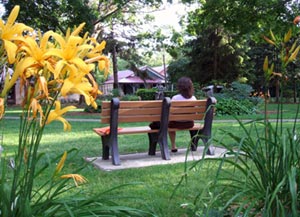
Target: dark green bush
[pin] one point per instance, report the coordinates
(170, 93)
(237, 100)
(146, 94)
(130, 97)
(232, 106)
(116, 92)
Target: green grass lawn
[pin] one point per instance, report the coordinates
(151, 187)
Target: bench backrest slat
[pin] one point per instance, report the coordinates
(186, 117)
(187, 110)
(134, 111)
(142, 104)
(141, 118)
(150, 110)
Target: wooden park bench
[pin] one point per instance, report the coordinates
(117, 111)
(196, 110)
(163, 111)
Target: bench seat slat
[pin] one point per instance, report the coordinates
(129, 130)
(144, 129)
(197, 126)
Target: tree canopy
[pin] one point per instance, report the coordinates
(55, 15)
(220, 40)
(222, 34)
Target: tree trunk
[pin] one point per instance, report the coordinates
(215, 47)
(115, 67)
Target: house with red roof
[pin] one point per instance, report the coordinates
(129, 81)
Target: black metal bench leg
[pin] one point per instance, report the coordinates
(194, 139)
(115, 152)
(210, 149)
(163, 143)
(105, 147)
(195, 136)
(153, 137)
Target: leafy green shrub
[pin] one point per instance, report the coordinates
(198, 92)
(237, 100)
(238, 90)
(170, 93)
(130, 97)
(234, 107)
(146, 94)
(116, 92)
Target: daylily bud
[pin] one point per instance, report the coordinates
(269, 40)
(287, 36)
(61, 163)
(266, 64)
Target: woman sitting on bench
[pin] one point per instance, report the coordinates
(186, 90)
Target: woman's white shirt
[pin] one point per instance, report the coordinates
(180, 97)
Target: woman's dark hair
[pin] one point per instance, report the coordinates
(185, 87)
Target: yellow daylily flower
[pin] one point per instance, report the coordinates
(37, 48)
(57, 113)
(95, 55)
(78, 179)
(103, 63)
(76, 31)
(97, 48)
(69, 54)
(38, 62)
(10, 32)
(78, 85)
(34, 62)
